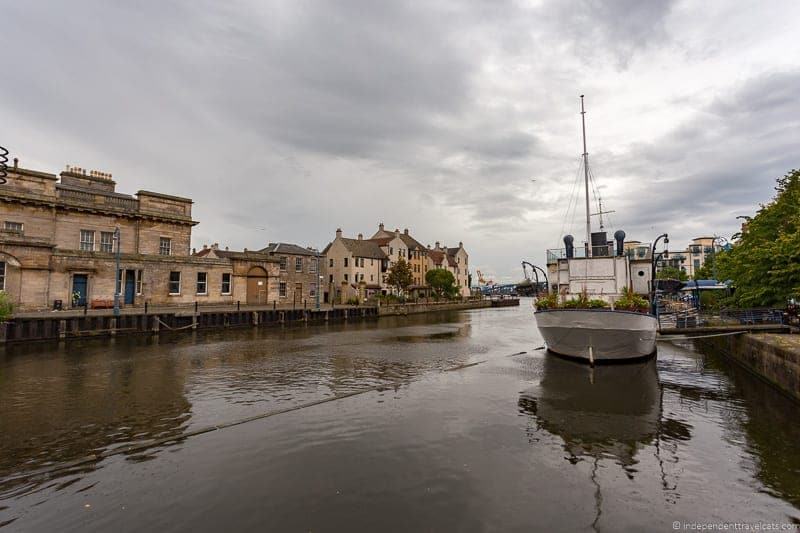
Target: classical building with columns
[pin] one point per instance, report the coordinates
(61, 235)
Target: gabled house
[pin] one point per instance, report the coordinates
(354, 268)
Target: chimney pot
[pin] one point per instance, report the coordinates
(437, 245)
(380, 226)
(194, 251)
(245, 249)
(405, 231)
(460, 244)
(16, 163)
(360, 236)
(226, 248)
(338, 233)
(205, 247)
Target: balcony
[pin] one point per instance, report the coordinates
(113, 201)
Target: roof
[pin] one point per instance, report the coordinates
(287, 248)
(437, 256)
(382, 241)
(242, 256)
(361, 248)
(410, 241)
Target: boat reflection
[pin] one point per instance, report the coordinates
(606, 411)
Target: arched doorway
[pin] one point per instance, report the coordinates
(256, 286)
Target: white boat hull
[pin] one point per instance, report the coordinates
(597, 335)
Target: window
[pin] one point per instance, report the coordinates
(391, 250)
(298, 264)
(283, 264)
(165, 246)
(345, 277)
(330, 263)
(202, 283)
(226, 283)
(174, 282)
(312, 290)
(696, 264)
(282, 289)
(345, 262)
(2, 275)
(139, 275)
(312, 267)
(298, 291)
(107, 241)
(12, 226)
(330, 278)
(87, 240)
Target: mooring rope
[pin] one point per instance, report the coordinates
(174, 329)
(94, 458)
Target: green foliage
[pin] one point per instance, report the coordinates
(6, 306)
(711, 299)
(442, 282)
(400, 275)
(353, 301)
(630, 301)
(707, 270)
(671, 273)
(765, 263)
(550, 301)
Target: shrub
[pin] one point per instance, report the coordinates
(630, 301)
(353, 301)
(6, 306)
(549, 301)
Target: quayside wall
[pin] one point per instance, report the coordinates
(773, 357)
(55, 326)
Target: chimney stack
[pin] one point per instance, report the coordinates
(405, 231)
(338, 233)
(437, 245)
(360, 236)
(16, 163)
(460, 244)
(380, 226)
(205, 247)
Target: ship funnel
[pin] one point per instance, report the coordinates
(619, 236)
(568, 239)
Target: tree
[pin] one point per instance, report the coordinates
(670, 272)
(707, 270)
(400, 275)
(764, 264)
(442, 281)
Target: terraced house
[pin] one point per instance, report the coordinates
(299, 272)
(60, 237)
(354, 268)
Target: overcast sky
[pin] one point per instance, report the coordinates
(286, 120)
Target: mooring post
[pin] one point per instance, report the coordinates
(145, 309)
(238, 305)
(156, 324)
(85, 306)
(62, 329)
(113, 326)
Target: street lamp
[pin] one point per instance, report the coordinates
(117, 279)
(653, 260)
(716, 239)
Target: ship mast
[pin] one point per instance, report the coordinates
(586, 179)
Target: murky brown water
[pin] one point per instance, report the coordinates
(523, 442)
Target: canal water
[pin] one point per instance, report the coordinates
(444, 426)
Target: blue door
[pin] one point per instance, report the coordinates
(80, 283)
(130, 286)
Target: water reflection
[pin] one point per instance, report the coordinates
(68, 403)
(606, 411)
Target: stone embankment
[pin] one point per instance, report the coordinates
(773, 357)
(75, 324)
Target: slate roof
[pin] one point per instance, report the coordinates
(288, 248)
(411, 242)
(361, 248)
(243, 256)
(437, 256)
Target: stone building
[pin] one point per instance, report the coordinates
(354, 268)
(299, 272)
(411, 250)
(456, 260)
(58, 246)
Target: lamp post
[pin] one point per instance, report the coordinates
(714, 253)
(653, 261)
(117, 280)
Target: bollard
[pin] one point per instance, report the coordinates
(145, 308)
